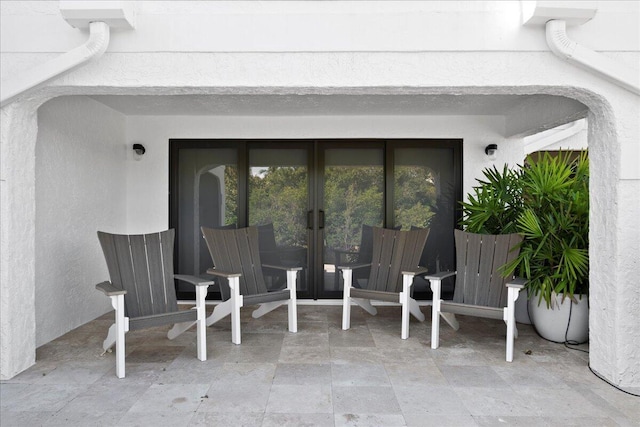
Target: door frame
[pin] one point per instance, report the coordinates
(388, 145)
(315, 192)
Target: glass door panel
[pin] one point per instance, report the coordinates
(424, 196)
(352, 199)
(206, 188)
(278, 200)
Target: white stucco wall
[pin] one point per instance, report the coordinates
(148, 179)
(315, 26)
(80, 188)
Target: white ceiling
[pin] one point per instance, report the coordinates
(320, 105)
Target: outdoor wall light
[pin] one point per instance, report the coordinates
(139, 149)
(491, 151)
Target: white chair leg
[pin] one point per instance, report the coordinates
(264, 308)
(110, 340)
(365, 304)
(201, 331)
(122, 326)
(346, 299)
(220, 311)
(292, 276)
(510, 319)
(450, 318)
(414, 309)
(179, 328)
(404, 300)
(435, 314)
(236, 304)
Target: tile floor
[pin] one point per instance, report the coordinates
(321, 376)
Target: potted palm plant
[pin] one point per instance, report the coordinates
(554, 255)
(495, 204)
(547, 201)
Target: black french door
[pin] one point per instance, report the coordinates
(313, 200)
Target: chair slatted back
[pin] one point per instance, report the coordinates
(237, 251)
(478, 258)
(143, 266)
(393, 252)
(366, 245)
(267, 244)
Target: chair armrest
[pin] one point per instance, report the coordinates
(196, 281)
(352, 266)
(440, 276)
(415, 271)
(518, 283)
(110, 290)
(226, 274)
(282, 267)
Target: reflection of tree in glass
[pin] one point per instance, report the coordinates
(353, 196)
(415, 192)
(231, 195)
(278, 195)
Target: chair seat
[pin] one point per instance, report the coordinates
(472, 310)
(268, 297)
(375, 295)
(162, 319)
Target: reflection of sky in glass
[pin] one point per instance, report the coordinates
(259, 171)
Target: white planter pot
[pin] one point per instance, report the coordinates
(551, 323)
(522, 308)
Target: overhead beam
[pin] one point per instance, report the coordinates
(538, 113)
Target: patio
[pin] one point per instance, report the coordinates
(321, 376)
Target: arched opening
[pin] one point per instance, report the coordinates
(75, 275)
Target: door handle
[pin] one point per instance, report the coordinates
(310, 220)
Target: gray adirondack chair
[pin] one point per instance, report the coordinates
(480, 290)
(236, 257)
(142, 290)
(394, 265)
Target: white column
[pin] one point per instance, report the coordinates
(614, 314)
(18, 133)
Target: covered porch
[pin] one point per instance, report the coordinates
(68, 168)
(321, 376)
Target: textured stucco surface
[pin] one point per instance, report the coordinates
(628, 300)
(614, 270)
(80, 188)
(18, 129)
(308, 26)
(527, 68)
